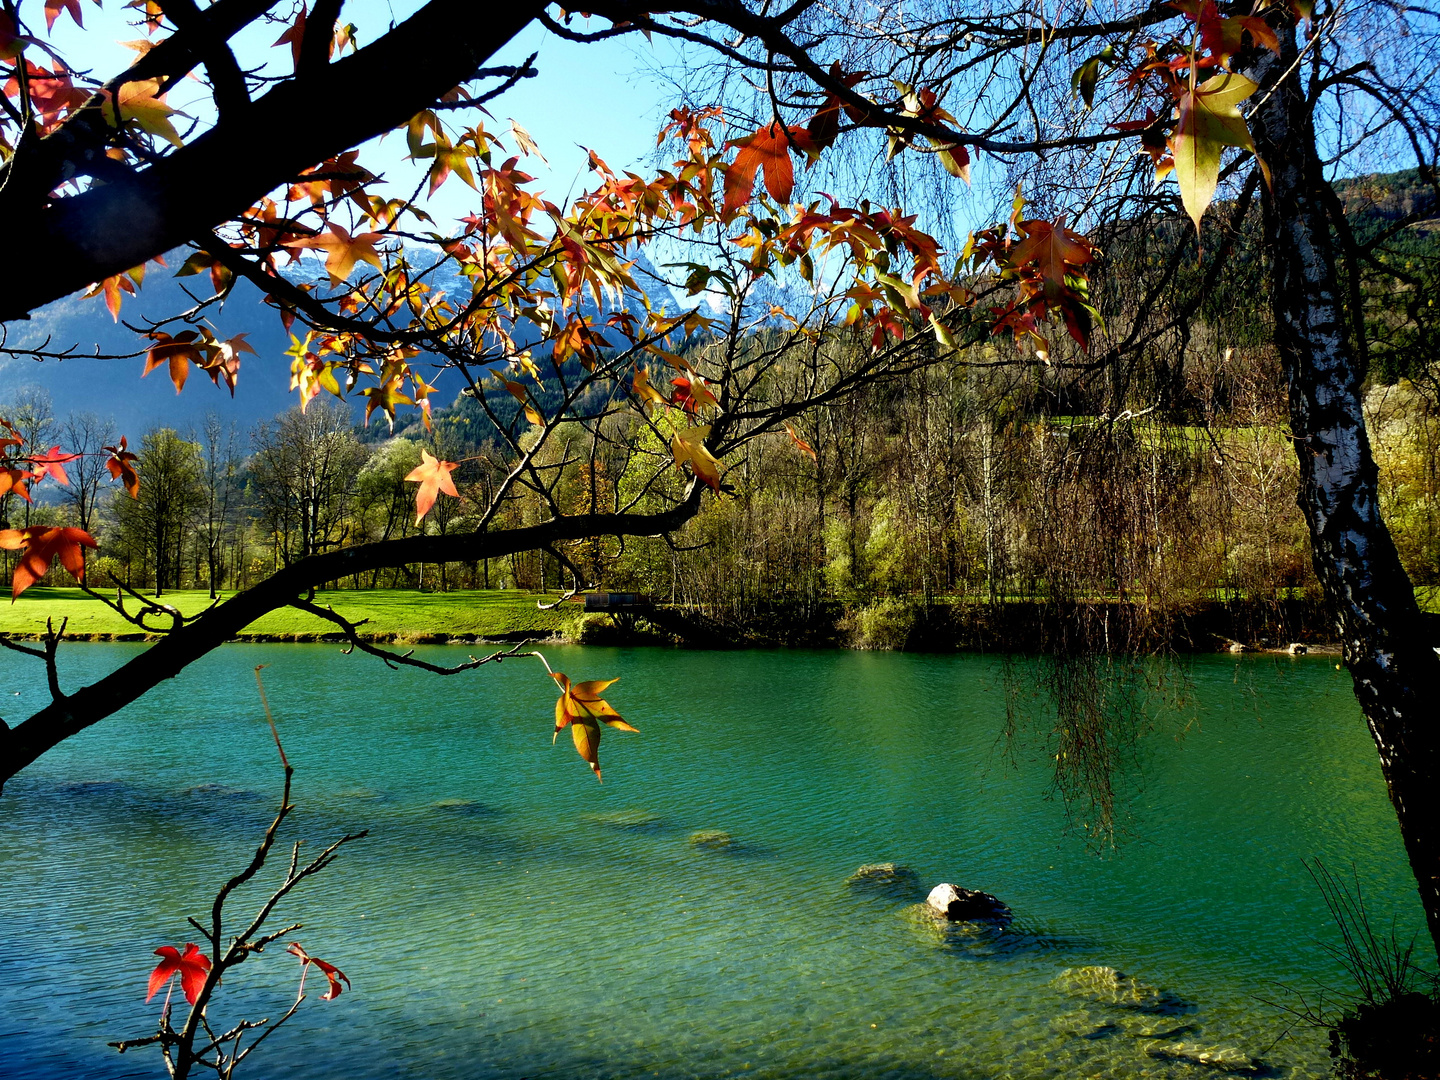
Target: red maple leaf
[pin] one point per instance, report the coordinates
(433, 477)
(768, 148)
(191, 967)
(294, 35)
(119, 464)
(42, 544)
(330, 971)
(52, 464)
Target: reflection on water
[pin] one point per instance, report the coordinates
(700, 914)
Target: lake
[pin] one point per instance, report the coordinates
(510, 917)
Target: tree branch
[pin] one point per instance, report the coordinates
(61, 719)
(108, 229)
(352, 634)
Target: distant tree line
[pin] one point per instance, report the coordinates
(952, 483)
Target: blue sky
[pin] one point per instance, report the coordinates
(609, 96)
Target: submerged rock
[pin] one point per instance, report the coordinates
(464, 807)
(223, 791)
(1225, 1059)
(1110, 987)
(967, 905)
(966, 939)
(1105, 1023)
(886, 879)
(711, 838)
(646, 820)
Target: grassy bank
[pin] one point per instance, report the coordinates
(406, 615)
(392, 614)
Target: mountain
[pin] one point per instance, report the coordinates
(114, 388)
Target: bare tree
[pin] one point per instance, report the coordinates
(86, 434)
(304, 475)
(219, 481)
(154, 526)
(33, 414)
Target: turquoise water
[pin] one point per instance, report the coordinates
(510, 917)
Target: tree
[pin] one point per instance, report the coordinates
(155, 526)
(219, 482)
(99, 181)
(303, 477)
(87, 435)
(33, 417)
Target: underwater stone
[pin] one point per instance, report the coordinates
(1111, 987)
(1221, 1058)
(714, 838)
(886, 879)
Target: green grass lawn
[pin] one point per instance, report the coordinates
(402, 612)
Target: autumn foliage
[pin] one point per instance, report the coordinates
(191, 966)
(582, 709)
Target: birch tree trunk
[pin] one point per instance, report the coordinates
(1396, 670)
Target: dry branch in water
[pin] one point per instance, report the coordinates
(196, 1042)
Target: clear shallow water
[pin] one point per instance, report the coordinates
(509, 917)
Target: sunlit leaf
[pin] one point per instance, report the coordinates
(433, 477)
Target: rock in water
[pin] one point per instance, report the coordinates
(966, 905)
(711, 838)
(636, 820)
(1225, 1059)
(1109, 987)
(886, 879)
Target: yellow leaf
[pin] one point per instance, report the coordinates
(648, 395)
(1209, 121)
(586, 734)
(689, 446)
(138, 102)
(582, 710)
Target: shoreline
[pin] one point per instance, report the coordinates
(1289, 626)
(1325, 649)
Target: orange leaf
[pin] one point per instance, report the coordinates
(433, 477)
(804, 446)
(582, 710)
(343, 251)
(178, 352)
(112, 287)
(54, 7)
(768, 148)
(294, 36)
(1050, 247)
(42, 544)
(119, 464)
